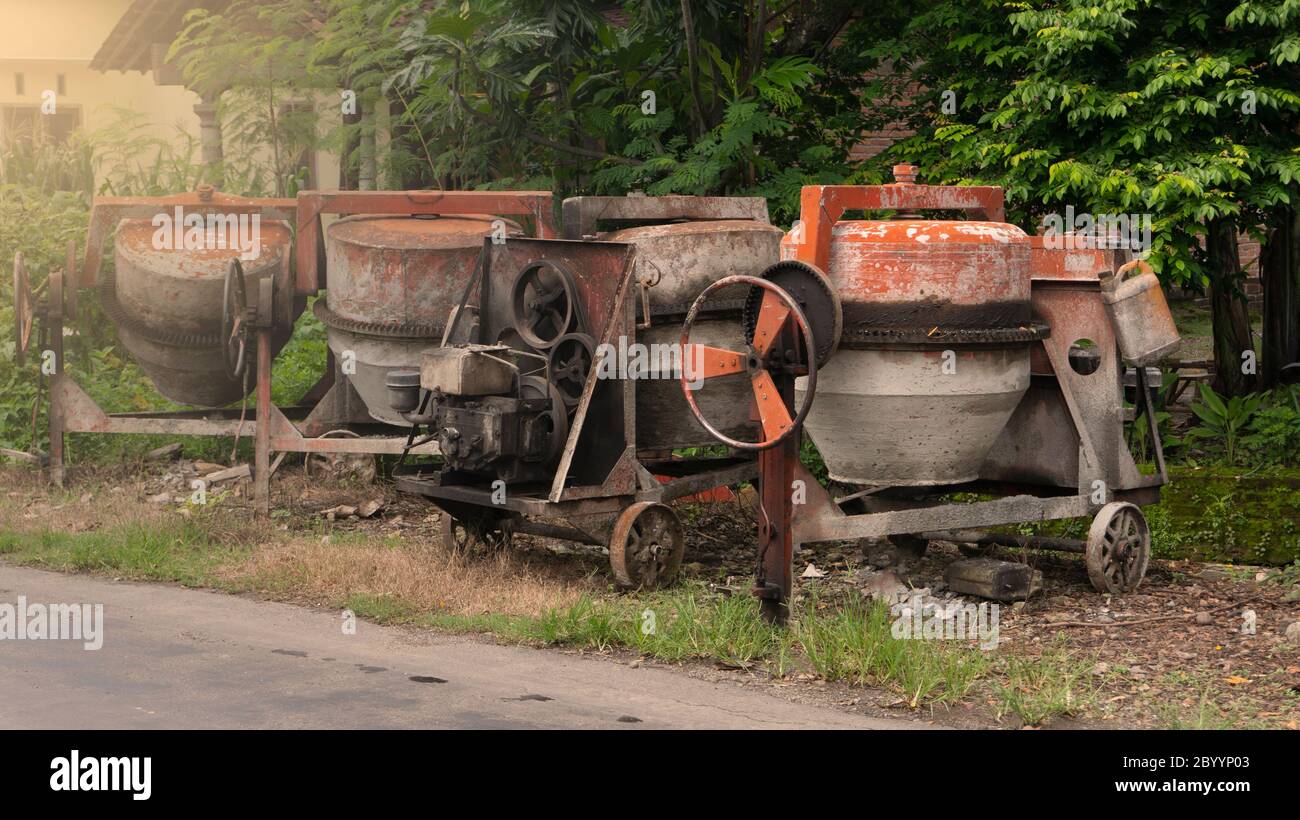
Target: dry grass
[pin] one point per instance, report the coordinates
(410, 569)
(419, 578)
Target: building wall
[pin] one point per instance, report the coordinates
(42, 39)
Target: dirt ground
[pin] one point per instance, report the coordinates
(1172, 654)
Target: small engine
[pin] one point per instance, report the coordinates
(487, 418)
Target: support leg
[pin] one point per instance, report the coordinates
(262, 440)
(775, 573)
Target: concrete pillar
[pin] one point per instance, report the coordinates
(210, 139)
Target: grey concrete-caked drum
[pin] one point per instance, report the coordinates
(391, 283)
(681, 259)
(166, 303)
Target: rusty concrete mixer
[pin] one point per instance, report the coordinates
(927, 357)
(564, 403)
(205, 289)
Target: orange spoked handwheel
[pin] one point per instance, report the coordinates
(701, 362)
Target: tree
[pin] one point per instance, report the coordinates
(1183, 109)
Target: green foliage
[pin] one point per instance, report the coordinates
(1274, 430)
(1184, 110)
(1223, 421)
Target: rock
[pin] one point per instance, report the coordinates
(1213, 574)
(1293, 595)
(811, 571)
(369, 508)
(886, 586)
(1105, 619)
(165, 452)
(1100, 669)
(1292, 631)
(1204, 618)
(341, 511)
(161, 498)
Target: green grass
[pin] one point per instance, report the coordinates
(178, 551)
(1056, 683)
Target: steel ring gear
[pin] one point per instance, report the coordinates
(816, 296)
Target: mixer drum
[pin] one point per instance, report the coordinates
(391, 283)
(934, 356)
(682, 259)
(166, 305)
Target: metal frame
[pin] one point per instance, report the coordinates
(605, 274)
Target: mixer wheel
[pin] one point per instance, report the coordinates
(570, 362)
(462, 536)
(1119, 548)
(646, 546)
(543, 303)
(24, 309)
(234, 314)
(817, 298)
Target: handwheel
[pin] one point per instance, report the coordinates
(700, 362)
(817, 298)
(24, 309)
(646, 546)
(234, 333)
(569, 364)
(543, 302)
(1119, 548)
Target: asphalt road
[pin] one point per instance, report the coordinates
(178, 658)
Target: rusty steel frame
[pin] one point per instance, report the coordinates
(605, 297)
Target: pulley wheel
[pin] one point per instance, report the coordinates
(234, 336)
(646, 546)
(543, 303)
(816, 297)
(1119, 548)
(24, 309)
(535, 387)
(570, 362)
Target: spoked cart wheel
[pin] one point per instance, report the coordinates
(462, 536)
(1119, 548)
(646, 546)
